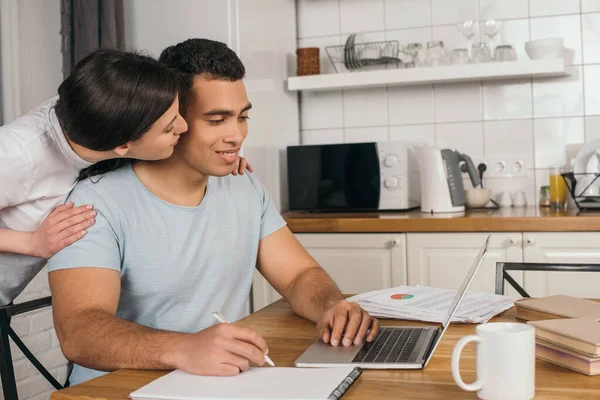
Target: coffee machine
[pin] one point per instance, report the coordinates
(442, 189)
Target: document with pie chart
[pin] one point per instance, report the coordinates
(430, 304)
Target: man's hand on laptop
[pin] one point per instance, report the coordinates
(221, 350)
(347, 319)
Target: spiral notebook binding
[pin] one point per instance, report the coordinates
(345, 384)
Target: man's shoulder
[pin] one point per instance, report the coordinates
(111, 185)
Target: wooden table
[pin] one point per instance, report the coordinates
(289, 335)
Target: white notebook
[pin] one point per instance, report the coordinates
(256, 383)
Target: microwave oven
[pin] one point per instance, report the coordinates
(353, 177)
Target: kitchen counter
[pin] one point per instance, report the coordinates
(528, 219)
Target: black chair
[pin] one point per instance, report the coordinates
(7, 373)
(503, 267)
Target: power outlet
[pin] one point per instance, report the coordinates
(502, 167)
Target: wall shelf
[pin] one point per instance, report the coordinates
(430, 75)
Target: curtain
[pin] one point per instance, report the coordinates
(87, 25)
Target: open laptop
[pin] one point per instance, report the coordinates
(396, 347)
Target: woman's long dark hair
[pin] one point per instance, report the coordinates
(113, 97)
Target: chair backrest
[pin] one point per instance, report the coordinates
(7, 374)
(503, 267)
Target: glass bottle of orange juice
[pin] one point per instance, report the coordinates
(558, 187)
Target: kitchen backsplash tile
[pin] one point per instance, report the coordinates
(533, 119)
(539, 8)
(551, 137)
(367, 134)
(507, 99)
(592, 128)
(590, 6)
(322, 136)
(419, 134)
(503, 9)
(592, 96)
(450, 12)
(320, 110)
(566, 26)
(366, 107)
(401, 14)
(591, 38)
(361, 16)
(559, 97)
(499, 138)
(318, 18)
(411, 105)
(458, 102)
(466, 137)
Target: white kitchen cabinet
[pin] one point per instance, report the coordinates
(443, 259)
(356, 262)
(567, 248)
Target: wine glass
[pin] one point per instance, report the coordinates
(491, 28)
(468, 28)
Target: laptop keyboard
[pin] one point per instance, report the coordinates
(392, 345)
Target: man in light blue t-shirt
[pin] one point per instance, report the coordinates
(179, 238)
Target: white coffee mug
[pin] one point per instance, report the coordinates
(505, 361)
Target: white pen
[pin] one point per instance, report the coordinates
(221, 319)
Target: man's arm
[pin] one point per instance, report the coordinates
(310, 291)
(84, 302)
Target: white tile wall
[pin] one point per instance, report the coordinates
(590, 6)
(397, 17)
(458, 102)
(553, 7)
(503, 9)
(592, 96)
(411, 105)
(466, 137)
(318, 18)
(507, 99)
(361, 16)
(591, 38)
(366, 107)
(419, 134)
(534, 120)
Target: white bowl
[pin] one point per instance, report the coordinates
(477, 197)
(545, 48)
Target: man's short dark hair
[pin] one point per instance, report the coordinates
(204, 58)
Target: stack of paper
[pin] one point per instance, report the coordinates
(423, 303)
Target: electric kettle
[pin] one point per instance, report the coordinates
(442, 189)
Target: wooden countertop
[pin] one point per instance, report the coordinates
(289, 335)
(528, 219)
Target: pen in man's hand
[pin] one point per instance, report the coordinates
(221, 319)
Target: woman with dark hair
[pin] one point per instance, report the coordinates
(115, 105)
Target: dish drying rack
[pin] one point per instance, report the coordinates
(353, 56)
(583, 202)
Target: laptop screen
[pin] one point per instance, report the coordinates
(465, 284)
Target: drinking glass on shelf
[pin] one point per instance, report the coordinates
(505, 52)
(558, 187)
(460, 56)
(490, 28)
(481, 53)
(418, 53)
(436, 54)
